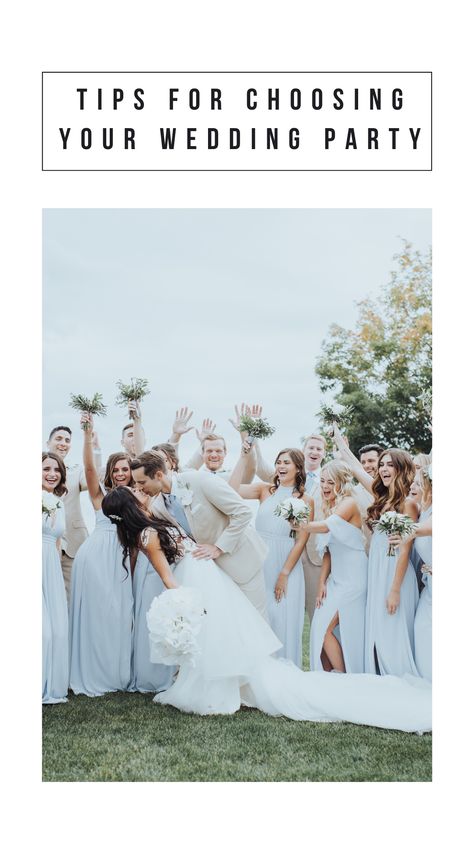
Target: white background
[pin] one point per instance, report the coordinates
(204, 35)
(61, 109)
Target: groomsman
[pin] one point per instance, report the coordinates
(214, 515)
(369, 459)
(59, 442)
(211, 454)
(314, 449)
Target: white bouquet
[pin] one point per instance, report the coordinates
(393, 523)
(50, 503)
(294, 510)
(174, 621)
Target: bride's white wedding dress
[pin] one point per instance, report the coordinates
(239, 664)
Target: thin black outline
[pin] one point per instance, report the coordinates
(281, 72)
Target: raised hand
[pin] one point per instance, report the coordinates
(134, 409)
(256, 410)
(86, 421)
(207, 427)
(244, 410)
(181, 423)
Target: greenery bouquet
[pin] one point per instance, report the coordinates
(134, 391)
(93, 406)
(256, 428)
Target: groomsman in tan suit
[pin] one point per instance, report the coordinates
(214, 515)
(314, 449)
(59, 442)
(212, 452)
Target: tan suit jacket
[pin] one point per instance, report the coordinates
(310, 550)
(76, 530)
(218, 515)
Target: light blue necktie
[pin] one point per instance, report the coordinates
(176, 510)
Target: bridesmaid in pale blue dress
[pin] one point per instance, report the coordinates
(101, 607)
(55, 619)
(283, 571)
(149, 580)
(338, 626)
(392, 590)
(423, 546)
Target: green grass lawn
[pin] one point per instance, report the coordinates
(125, 737)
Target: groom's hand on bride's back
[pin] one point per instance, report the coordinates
(207, 551)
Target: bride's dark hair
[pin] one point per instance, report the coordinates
(122, 508)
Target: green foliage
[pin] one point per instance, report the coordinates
(259, 428)
(329, 415)
(125, 737)
(382, 368)
(93, 406)
(134, 391)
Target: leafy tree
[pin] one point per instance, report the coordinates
(383, 366)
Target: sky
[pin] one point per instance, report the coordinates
(213, 307)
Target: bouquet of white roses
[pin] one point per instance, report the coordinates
(294, 510)
(93, 406)
(257, 428)
(50, 503)
(134, 391)
(393, 523)
(174, 621)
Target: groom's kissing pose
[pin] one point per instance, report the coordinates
(214, 515)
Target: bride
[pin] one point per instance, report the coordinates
(239, 664)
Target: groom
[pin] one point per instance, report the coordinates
(214, 515)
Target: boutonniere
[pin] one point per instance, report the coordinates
(185, 493)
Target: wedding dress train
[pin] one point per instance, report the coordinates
(238, 665)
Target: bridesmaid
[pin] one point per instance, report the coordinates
(423, 546)
(342, 591)
(55, 619)
(101, 609)
(283, 571)
(392, 592)
(151, 576)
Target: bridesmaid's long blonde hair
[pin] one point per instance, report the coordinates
(342, 479)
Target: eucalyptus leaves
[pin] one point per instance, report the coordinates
(134, 391)
(256, 428)
(340, 415)
(93, 406)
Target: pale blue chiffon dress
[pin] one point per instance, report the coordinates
(101, 614)
(55, 617)
(287, 616)
(346, 588)
(423, 626)
(146, 677)
(391, 635)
